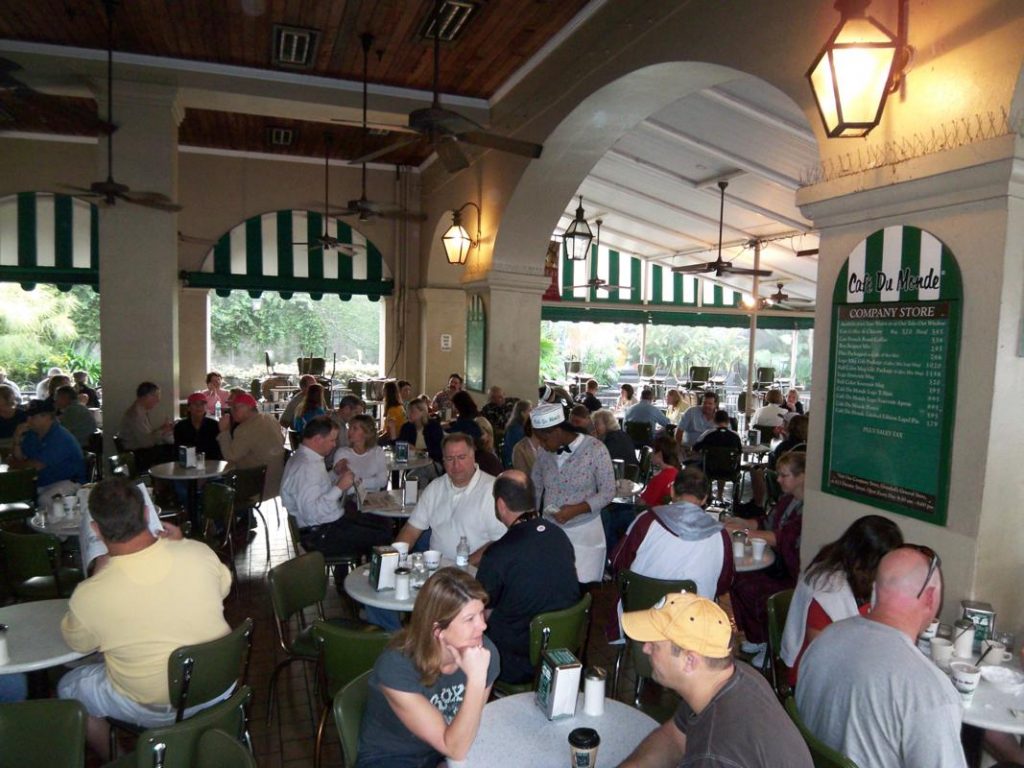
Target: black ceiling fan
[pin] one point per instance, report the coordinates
(782, 298)
(598, 283)
(325, 241)
(108, 189)
(719, 266)
(445, 129)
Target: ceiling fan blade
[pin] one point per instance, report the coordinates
(502, 143)
(744, 271)
(159, 205)
(695, 268)
(82, 191)
(451, 155)
(382, 127)
(807, 252)
(387, 150)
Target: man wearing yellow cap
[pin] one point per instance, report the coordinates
(729, 715)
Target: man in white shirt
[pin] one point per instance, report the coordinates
(313, 495)
(459, 504)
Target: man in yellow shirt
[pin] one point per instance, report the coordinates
(153, 595)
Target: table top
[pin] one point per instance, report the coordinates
(541, 743)
(33, 636)
(357, 585)
(387, 504)
(995, 709)
(747, 563)
(757, 450)
(63, 528)
(624, 494)
(171, 470)
(414, 462)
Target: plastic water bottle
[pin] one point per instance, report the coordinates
(217, 410)
(462, 553)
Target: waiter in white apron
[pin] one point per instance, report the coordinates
(574, 480)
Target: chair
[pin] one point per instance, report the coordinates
(33, 566)
(177, 745)
(637, 593)
(17, 494)
(120, 445)
(343, 563)
(201, 672)
(644, 469)
(767, 433)
(248, 484)
(294, 439)
(639, 431)
(765, 379)
(566, 628)
(345, 654)
(778, 610)
(90, 466)
(349, 704)
(48, 732)
(822, 755)
(723, 464)
(122, 464)
(217, 749)
(699, 376)
(217, 521)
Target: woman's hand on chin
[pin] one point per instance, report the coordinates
(473, 661)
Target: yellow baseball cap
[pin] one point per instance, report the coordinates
(692, 622)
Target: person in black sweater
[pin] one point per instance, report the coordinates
(589, 397)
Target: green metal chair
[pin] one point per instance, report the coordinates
(177, 745)
(345, 654)
(218, 749)
(640, 432)
(17, 494)
(566, 628)
(201, 672)
(349, 704)
(48, 732)
(33, 566)
(775, 667)
(216, 522)
(248, 484)
(723, 464)
(644, 470)
(822, 755)
(637, 593)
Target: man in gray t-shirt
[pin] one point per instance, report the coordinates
(729, 715)
(867, 691)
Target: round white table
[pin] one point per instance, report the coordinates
(414, 462)
(387, 504)
(62, 529)
(171, 470)
(994, 709)
(34, 640)
(748, 563)
(626, 494)
(757, 451)
(357, 585)
(514, 732)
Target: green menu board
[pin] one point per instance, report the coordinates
(892, 374)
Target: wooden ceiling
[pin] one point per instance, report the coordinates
(498, 38)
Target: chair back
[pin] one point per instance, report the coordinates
(18, 486)
(778, 610)
(294, 585)
(294, 439)
(822, 755)
(122, 464)
(699, 375)
(218, 512)
(639, 431)
(644, 470)
(721, 463)
(32, 562)
(640, 592)
(217, 749)
(48, 732)
(765, 378)
(177, 745)
(90, 466)
(346, 652)
(293, 533)
(767, 433)
(248, 484)
(198, 673)
(119, 444)
(349, 704)
(566, 628)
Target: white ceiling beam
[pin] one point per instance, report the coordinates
(757, 113)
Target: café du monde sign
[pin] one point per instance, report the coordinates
(892, 374)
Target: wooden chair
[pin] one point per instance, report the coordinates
(822, 755)
(775, 668)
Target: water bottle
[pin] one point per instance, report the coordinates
(217, 410)
(462, 553)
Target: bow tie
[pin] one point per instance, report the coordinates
(564, 449)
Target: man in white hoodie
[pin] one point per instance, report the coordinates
(680, 540)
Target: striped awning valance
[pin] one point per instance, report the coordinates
(48, 238)
(271, 253)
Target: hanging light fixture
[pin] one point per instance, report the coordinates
(577, 236)
(858, 67)
(456, 239)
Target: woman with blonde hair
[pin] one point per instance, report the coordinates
(362, 455)
(486, 458)
(428, 689)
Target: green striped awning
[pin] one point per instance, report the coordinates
(582, 313)
(48, 238)
(269, 253)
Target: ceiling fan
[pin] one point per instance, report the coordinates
(719, 266)
(364, 208)
(109, 190)
(781, 299)
(325, 241)
(598, 283)
(445, 129)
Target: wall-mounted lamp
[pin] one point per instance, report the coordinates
(456, 239)
(859, 66)
(577, 236)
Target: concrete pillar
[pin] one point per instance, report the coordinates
(442, 337)
(972, 199)
(512, 301)
(194, 339)
(139, 254)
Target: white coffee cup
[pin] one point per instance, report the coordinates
(931, 630)
(738, 549)
(403, 551)
(965, 679)
(941, 651)
(758, 546)
(995, 652)
(432, 559)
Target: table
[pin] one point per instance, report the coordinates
(171, 470)
(62, 529)
(993, 709)
(357, 585)
(757, 451)
(747, 563)
(387, 504)
(626, 498)
(414, 462)
(34, 641)
(542, 743)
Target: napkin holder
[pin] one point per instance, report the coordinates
(984, 618)
(383, 562)
(186, 456)
(558, 683)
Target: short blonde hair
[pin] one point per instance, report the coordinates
(606, 419)
(365, 423)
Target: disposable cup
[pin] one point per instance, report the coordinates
(432, 559)
(758, 546)
(965, 679)
(941, 651)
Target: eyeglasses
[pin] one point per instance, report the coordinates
(934, 563)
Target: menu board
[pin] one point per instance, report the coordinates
(892, 374)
